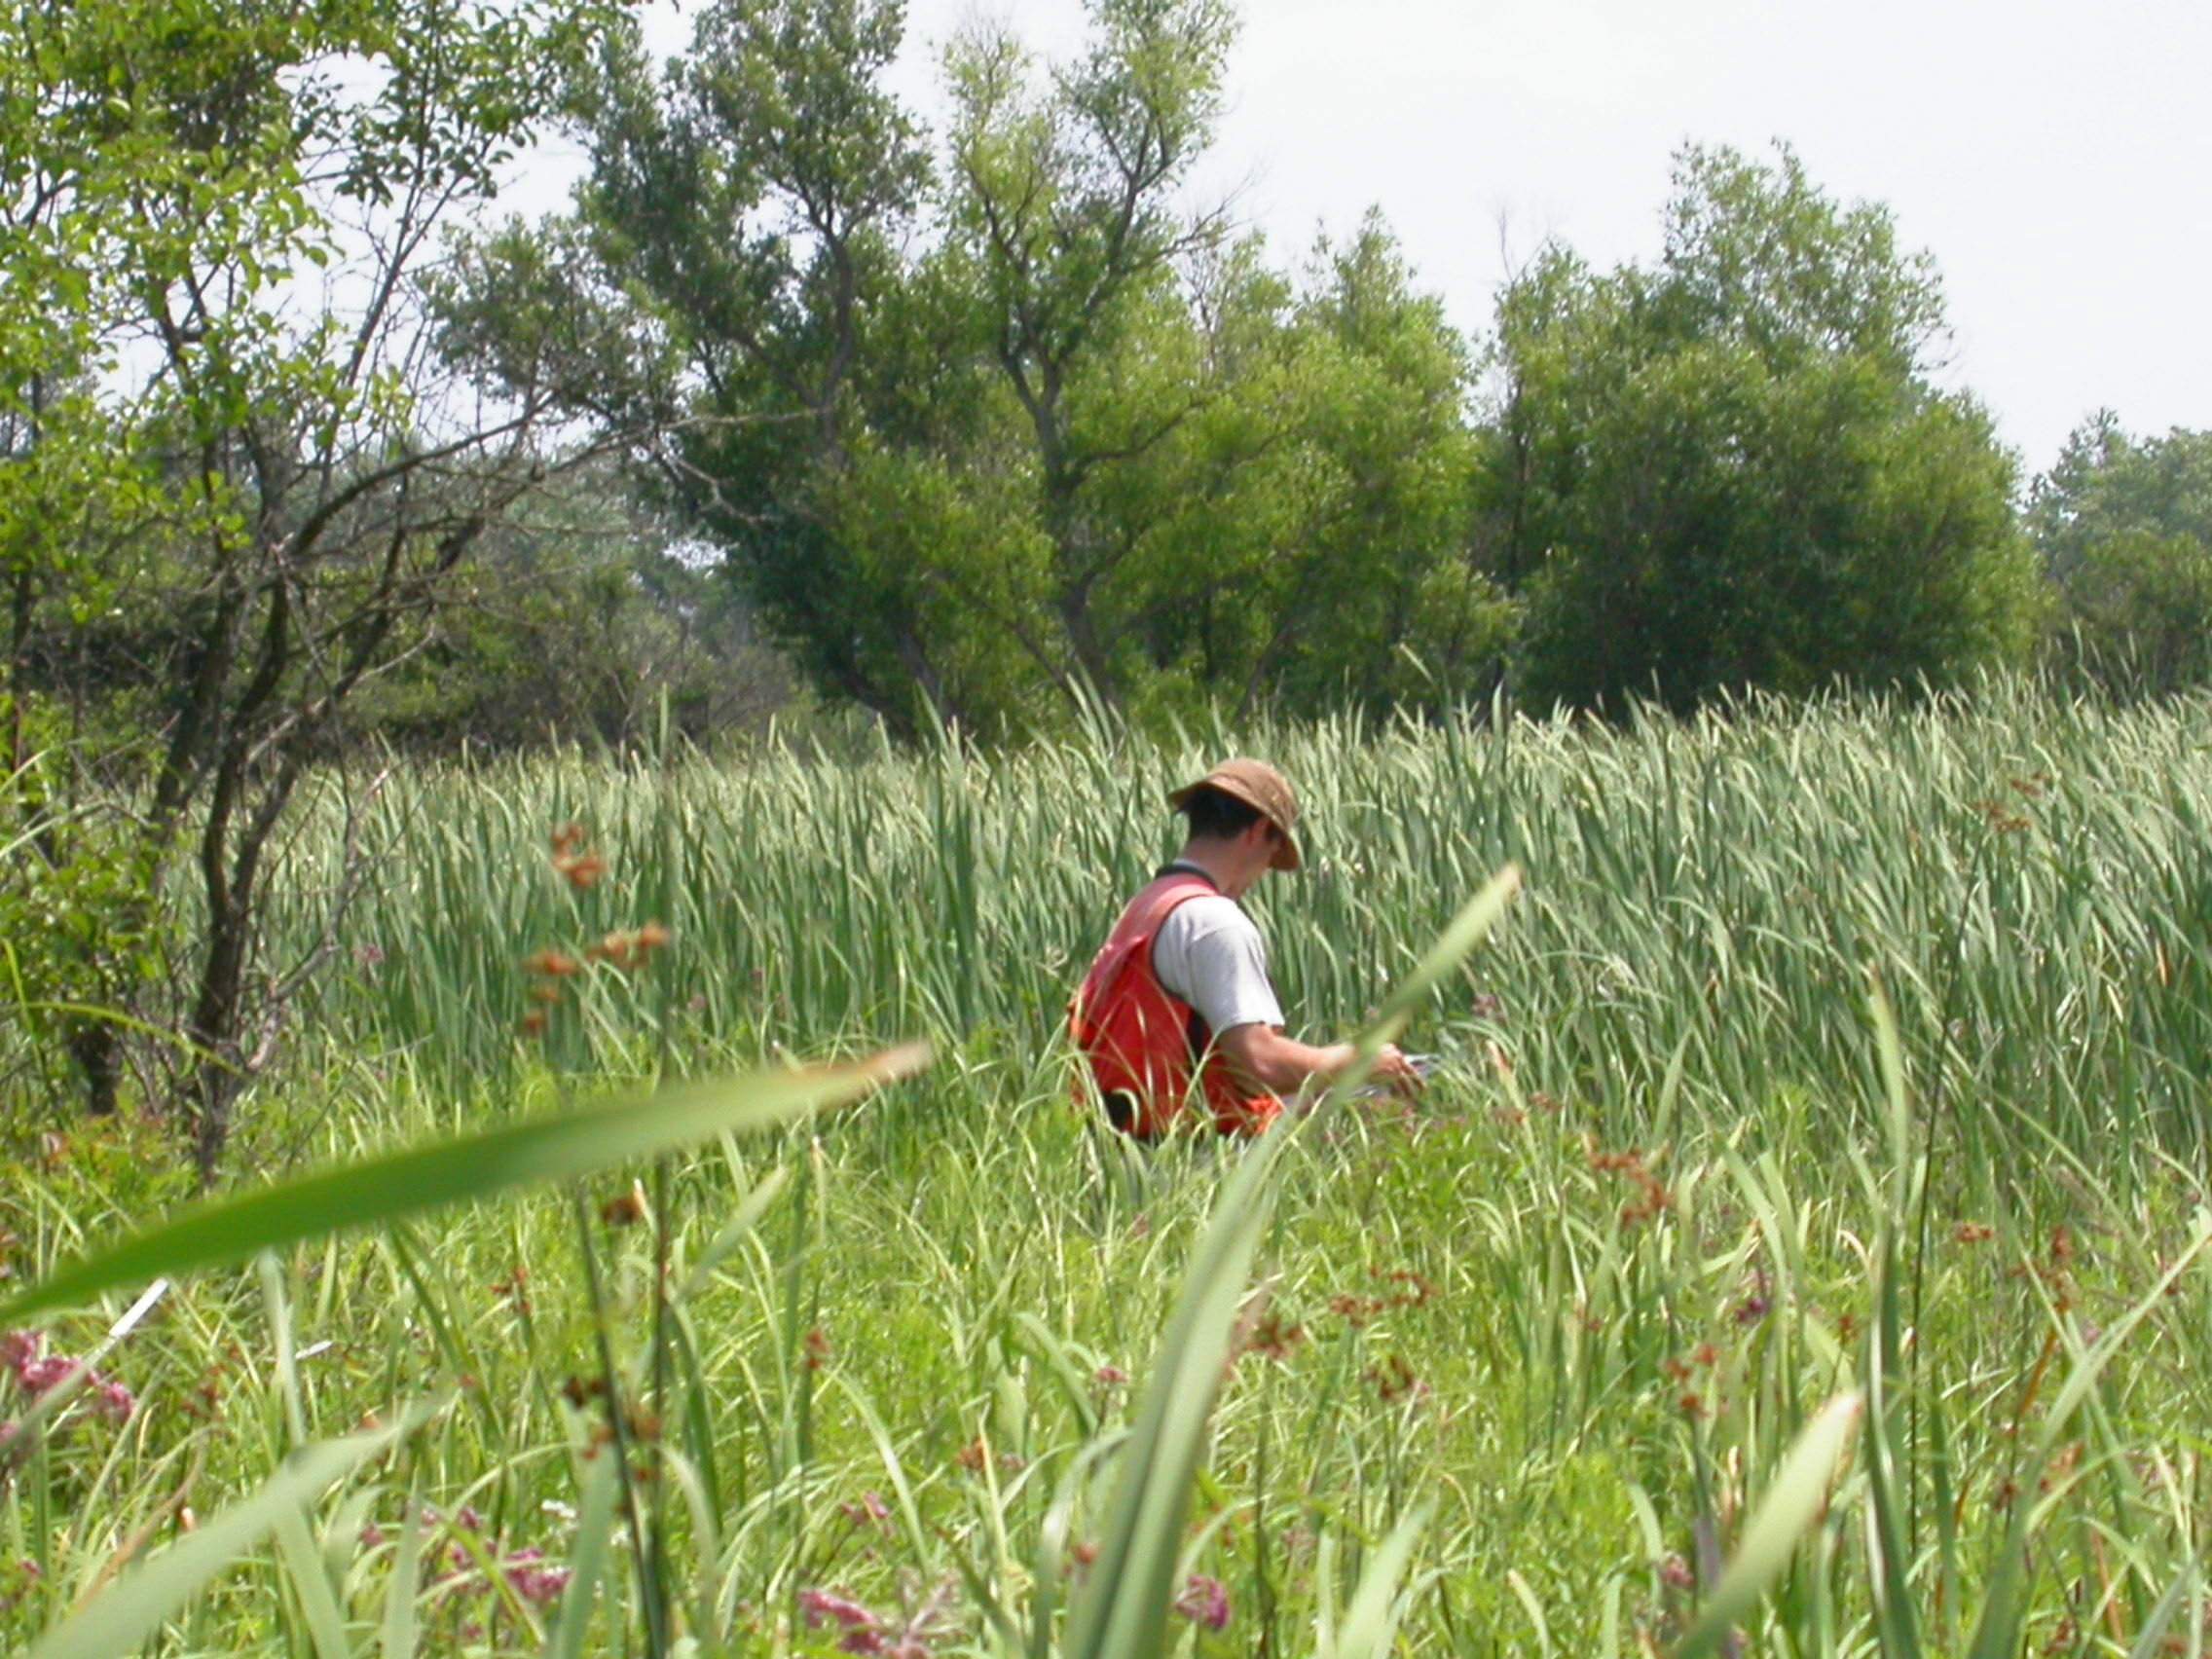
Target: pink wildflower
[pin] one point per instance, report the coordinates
(819, 1605)
(37, 1375)
(1204, 1602)
(18, 1349)
(113, 1401)
(868, 1512)
(540, 1585)
(1111, 1375)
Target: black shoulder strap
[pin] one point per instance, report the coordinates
(1184, 866)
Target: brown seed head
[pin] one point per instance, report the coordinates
(625, 1209)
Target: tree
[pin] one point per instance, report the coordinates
(986, 439)
(579, 619)
(223, 212)
(1063, 208)
(1373, 595)
(1732, 470)
(2123, 529)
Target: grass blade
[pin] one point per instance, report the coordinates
(2003, 1607)
(1790, 1504)
(1122, 1609)
(1370, 1625)
(402, 1183)
(303, 1564)
(588, 1558)
(129, 1613)
(399, 1620)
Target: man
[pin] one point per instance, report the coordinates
(1181, 984)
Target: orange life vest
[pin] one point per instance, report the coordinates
(1143, 1043)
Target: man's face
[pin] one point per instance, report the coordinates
(1255, 846)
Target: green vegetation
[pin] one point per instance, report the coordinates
(1800, 1246)
(1731, 470)
(2124, 526)
(802, 410)
(1540, 1348)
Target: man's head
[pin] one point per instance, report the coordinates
(1245, 809)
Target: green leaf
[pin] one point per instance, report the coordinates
(588, 1557)
(476, 1167)
(1792, 1501)
(132, 1611)
(1122, 1611)
(1370, 1625)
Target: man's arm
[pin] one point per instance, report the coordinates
(1263, 1057)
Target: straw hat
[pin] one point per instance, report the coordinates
(1262, 787)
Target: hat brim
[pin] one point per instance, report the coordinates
(1286, 857)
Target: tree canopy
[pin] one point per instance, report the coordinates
(2123, 527)
(1732, 470)
(986, 431)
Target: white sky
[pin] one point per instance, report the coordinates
(2056, 159)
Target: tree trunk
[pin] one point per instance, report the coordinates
(94, 1046)
(215, 1030)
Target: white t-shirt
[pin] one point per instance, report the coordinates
(1209, 954)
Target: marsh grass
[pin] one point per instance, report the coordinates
(1798, 1254)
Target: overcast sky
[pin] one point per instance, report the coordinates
(2056, 159)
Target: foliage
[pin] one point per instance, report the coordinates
(83, 935)
(215, 358)
(577, 621)
(1570, 1356)
(2124, 529)
(1731, 470)
(1014, 428)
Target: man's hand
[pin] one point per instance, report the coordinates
(1265, 1059)
(1395, 1072)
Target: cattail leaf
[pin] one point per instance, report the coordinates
(1370, 1625)
(402, 1183)
(128, 1615)
(2004, 1606)
(1462, 933)
(1122, 1611)
(1792, 1501)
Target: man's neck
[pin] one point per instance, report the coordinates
(1218, 862)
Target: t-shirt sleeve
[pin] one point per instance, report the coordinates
(1209, 953)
